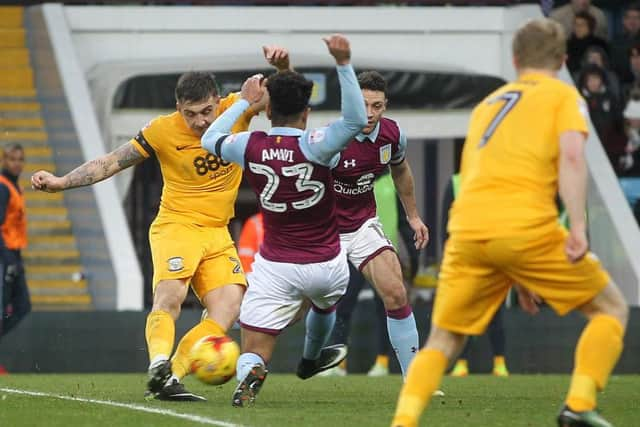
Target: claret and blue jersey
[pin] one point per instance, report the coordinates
(366, 157)
(290, 171)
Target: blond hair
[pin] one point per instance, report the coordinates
(540, 43)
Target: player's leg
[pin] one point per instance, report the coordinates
(461, 368)
(270, 304)
(384, 273)
(597, 353)
(425, 374)
(470, 290)
(381, 365)
(497, 340)
(346, 305)
(2, 301)
(317, 358)
(219, 283)
(175, 259)
(251, 368)
(583, 285)
(325, 283)
(20, 301)
(160, 332)
(223, 307)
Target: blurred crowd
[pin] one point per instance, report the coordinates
(606, 70)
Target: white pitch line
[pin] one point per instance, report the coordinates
(189, 417)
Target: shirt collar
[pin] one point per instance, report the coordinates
(284, 131)
(532, 75)
(371, 136)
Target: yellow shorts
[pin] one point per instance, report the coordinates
(204, 255)
(476, 276)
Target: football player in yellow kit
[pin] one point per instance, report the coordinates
(525, 144)
(189, 238)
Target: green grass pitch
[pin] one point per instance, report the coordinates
(116, 400)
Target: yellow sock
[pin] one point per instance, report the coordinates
(498, 361)
(597, 352)
(382, 360)
(160, 333)
(424, 376)
(180, 363)
(463, 363)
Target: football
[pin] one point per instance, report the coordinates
(213, 359)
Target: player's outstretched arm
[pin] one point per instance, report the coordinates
(324, 143)
(90, 172)
(354, 114)
(403, 180)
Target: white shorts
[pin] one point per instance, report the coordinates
(365, 243)
(276, 290)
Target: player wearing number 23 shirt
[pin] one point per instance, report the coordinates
(290, 171)
(289, 168)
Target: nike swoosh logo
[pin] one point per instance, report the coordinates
(187, 147)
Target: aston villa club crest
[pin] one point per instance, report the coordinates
(385, 154)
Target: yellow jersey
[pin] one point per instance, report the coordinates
(199, 188)
(509, 169)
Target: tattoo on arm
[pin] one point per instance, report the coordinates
(103, 167)
(127, 155)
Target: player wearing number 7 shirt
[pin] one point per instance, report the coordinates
(289, 168)
(525, 144)
(189, 239)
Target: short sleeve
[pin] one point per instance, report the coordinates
(572, 114)
(146, 140)
(399, 155)
(233, 147)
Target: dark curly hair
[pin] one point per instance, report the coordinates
(195, 86)
(591, 21)
(372, 80)
(289, 94)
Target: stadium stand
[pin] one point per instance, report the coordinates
(52, 257)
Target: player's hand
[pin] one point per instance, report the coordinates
(277, 56)
(528, 301)
(46, 181)
(339, 48)
(253, 89)
(576, 245)
(421, 232)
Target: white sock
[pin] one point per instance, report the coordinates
(244, 364)
(161, 358)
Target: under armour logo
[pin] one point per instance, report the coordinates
(414, 349)
(350, 163)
